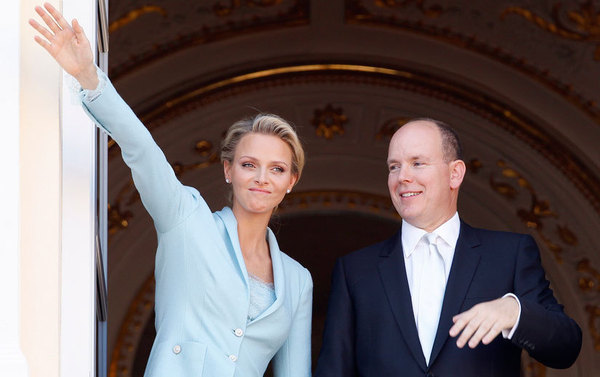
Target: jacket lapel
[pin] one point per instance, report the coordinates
(226, 214)
(278, 278)
(464, 264)
(393, 277)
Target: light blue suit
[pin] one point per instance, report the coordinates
(202, 294)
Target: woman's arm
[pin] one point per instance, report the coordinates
(165, 198)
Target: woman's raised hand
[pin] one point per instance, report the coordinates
(67, 44)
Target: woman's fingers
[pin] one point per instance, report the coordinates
(42, 43)
(78, 31)
(42, 30)
(48, 20)
(58, 17)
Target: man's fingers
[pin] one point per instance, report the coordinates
(482, 330)
(468, 332)
(492, 334)
(460, 321)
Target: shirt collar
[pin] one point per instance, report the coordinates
(448, 232)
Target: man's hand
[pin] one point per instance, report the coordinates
(484, 321)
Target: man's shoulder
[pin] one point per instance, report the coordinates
(492, 237)
(372, 251)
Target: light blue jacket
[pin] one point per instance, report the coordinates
(202, 294)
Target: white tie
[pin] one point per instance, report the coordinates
(431, 294)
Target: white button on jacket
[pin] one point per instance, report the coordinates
(201, 278)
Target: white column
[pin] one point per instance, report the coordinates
(77, 329)
(57, 196)
(12, 361)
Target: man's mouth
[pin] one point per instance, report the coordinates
(410, 194)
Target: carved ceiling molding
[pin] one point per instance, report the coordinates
(438, 87)
(227, 24)
(582, 25)
(357, 13)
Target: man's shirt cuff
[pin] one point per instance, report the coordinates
(508, 334)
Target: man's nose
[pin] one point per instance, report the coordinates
(405, 173)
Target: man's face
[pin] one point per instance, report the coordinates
(423, 186)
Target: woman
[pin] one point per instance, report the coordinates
(227, 299)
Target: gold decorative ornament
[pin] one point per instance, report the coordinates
(134, 15)
(538, 211)
(389, 127)
(584, 22)
(591, 280)
(594, 324)
(329, 121)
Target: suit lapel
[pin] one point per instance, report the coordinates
(393, 277)
(464, 264)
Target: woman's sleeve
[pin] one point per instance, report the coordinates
(294, 358)
(164, 197)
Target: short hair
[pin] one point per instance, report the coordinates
(266, 124)
(451, 145)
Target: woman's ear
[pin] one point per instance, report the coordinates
(226, 171)
(458, 169)
(293, 180)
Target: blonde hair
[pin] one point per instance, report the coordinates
(267, 124)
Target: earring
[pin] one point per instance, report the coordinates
(227, 180)
(288, 191)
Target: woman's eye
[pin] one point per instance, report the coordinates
(278, 169)
(247, 165)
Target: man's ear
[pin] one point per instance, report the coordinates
(458, 169)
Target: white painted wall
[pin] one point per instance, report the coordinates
(12, 361)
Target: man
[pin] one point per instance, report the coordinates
(396, 306)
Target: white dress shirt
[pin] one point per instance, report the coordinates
(411, 239)
(448, 234)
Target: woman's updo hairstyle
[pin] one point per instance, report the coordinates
(267, 124)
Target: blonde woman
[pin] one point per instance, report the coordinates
(228, 301)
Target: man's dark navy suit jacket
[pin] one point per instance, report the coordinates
(370, 328)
